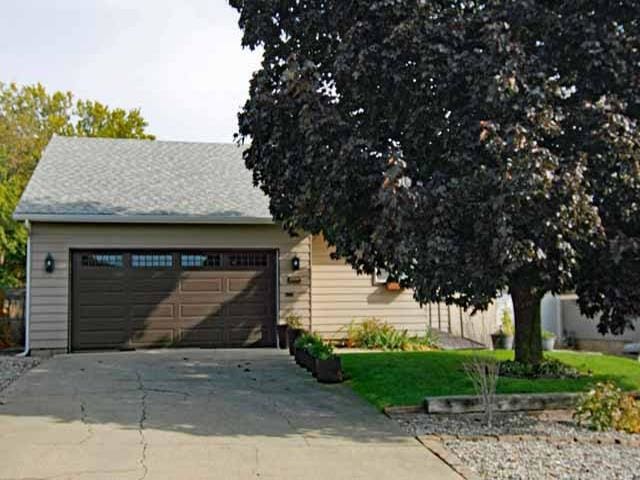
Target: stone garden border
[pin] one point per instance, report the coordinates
(507, 402)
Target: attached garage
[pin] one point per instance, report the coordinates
(139, 243)
(194, 298)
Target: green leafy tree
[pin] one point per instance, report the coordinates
(29, 116)
(465, 146)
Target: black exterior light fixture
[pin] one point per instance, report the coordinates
(295, 263)
(49, 264)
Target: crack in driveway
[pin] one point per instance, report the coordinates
(84, 419)
(143, 417)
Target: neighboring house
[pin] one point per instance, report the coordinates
(561, 315)
(138, 243)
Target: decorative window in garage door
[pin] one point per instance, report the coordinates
(247, 259)
(102, 260)
(200, 260)
(151, 260)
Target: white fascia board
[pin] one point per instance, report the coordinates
(166, 219)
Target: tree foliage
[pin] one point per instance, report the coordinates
(29, 116)
(465, 146)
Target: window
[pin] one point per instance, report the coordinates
(151, 260)
(247, 259)
(200, 260)
(102, 260)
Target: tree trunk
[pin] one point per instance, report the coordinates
(528, 341)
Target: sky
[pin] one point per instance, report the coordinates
(180, 61)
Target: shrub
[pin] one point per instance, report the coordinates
(374, 333)
(484, 373)
(507, 323)
(548, 368)
(546, 335)
(293, 320)
(606, 407)
(307, 340)
(321, 350)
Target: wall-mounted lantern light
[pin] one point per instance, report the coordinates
(49, 264)
(295, 263)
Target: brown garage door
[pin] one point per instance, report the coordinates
(173, 298)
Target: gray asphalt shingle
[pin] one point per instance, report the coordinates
(96, 176)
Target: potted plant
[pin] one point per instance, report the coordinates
(506, 331)
(303, 345)
(294, 330)
(548, 340)
(328, 367)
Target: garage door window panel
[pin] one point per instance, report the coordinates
(102, 260)
(151, 260)
(194, 261)
(247, 260)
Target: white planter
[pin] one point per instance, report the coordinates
(548, 343)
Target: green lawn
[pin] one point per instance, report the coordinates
(405, 378)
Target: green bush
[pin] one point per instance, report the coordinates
(321, 350)
(606, 407)
(373, 333)
(546, 335)
(293, 320)
(548, 368)
(307, 340)
(507, 323)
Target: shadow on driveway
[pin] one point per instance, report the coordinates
(197, 414)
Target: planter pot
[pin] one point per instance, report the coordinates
(507, 342)
(328, 371)
(548, 343)
(292, 334)
(282, 337)
(500, 341)
(307, 360)
(393, 286)
(297, 355)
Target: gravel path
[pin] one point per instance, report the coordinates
(11, 367)
(556, 446)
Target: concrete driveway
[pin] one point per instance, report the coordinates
(196, 414)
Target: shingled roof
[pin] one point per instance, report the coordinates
(97, 179)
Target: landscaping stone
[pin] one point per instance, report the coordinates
(529, 445)
(506, 403)
(11, 367)
(542, 460)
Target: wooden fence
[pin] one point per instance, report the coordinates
(12, 317)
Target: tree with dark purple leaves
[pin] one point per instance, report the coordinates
(467, 147)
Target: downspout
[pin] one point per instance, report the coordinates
(27, 299)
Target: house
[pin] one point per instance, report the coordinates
(561, 315)
(139, 243)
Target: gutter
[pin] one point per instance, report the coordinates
(162, 219)
(27, 298)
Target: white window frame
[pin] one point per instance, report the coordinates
(380, 276)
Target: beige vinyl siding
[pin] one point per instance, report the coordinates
(50, 291)
(339, 296)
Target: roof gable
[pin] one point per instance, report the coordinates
(123, 179)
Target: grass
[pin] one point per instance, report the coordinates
(405, 378)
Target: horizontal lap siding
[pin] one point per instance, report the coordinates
(339, 296)
(50, 291)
